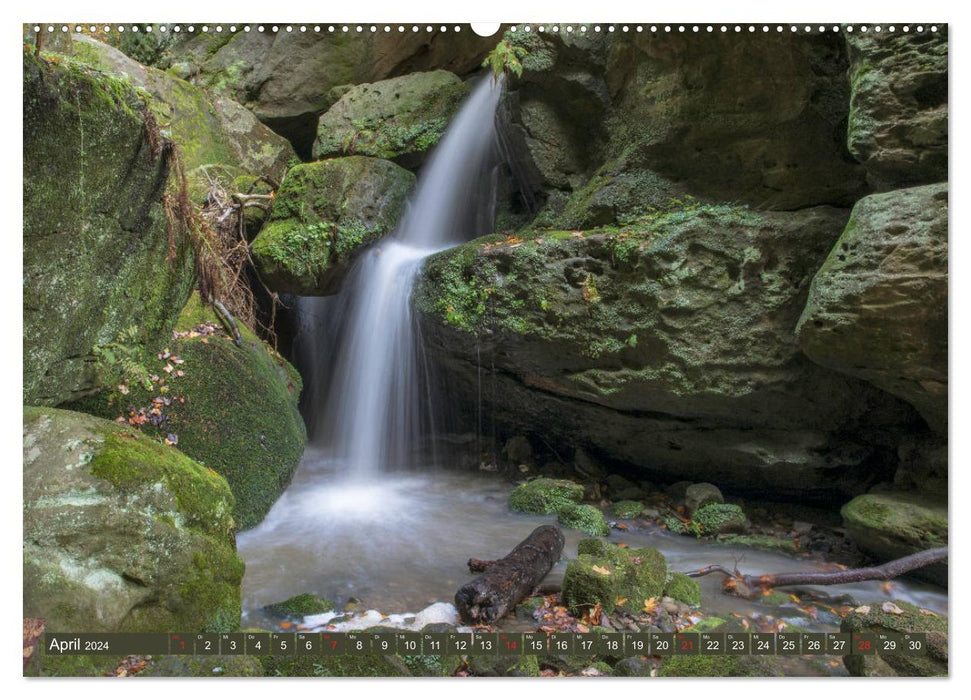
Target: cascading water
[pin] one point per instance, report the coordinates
(372, 411)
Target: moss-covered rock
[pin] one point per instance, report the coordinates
(683, 588)
(323, 215)
(877, 308)
(892, 525)
(399, 119)
(289, 78)
(544, 496)
(618, 577)
(233, 408)
(524, 666)
(767, 542)
(585, 518)
(123, 534)
(93, 187)
(931, 662)
(219, 138)
(720, 665)
(720, 518)
(627, 509)
(697, 496)
(898, 106)
(299, 606)
(668, 343)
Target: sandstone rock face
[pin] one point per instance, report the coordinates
(668, 345)
(399, 119)
(219, 138)
(94, 180)
(877, 308)
(121, 533)
(287, 79)
(620, 126)
(324, 214)
(898, 107)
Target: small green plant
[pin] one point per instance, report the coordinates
(120, 361)
(505, 58)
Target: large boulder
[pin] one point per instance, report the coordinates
(669, 345)
(898, 618)
(400, 119)
(877, 308)
(898, 106)
(219, 138)
(288, 79)
(323, 215)
(232, 408)
(121, 533)
(888, 526)
(95, 174)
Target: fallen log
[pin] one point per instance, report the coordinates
(477, 566)
(510, 579)
(744, 584)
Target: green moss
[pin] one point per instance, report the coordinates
(94, 181)
(322, 215)
(129, 461)
(624, 577)
(683, 588)
(543, 496)
(584, 518)
(300, 606)
(239, 416)
(717, 518)
(628, 509)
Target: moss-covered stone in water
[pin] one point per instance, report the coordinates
(892, 525)
(92, 188)
(524, 666)
(718, 518)
(932, 662)
(300, 606)
(683, 588)
(632, 574)
(584, 518)
(543, 496)
(239, 416)
(123, 533)
(628, 509)
(323, 215)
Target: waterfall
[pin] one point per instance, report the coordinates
(368, 408)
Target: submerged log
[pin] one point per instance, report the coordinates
(510, 579)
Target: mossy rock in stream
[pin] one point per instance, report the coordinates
(234, 409)
(713, 519)
(683, 588)
(627, 509)
(612, 575)
(543, 496)
(299, 606)
(122, 533)
(585, 518)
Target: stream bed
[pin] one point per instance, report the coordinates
(400, 543)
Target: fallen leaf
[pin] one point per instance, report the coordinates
(621, 526)
(168, 369)
(601, 570)
(834, 663)
(863, 610)
(123, 389)
(929, 613)
(623, 546)
(891, 609)
(620, 601)
(887, 587)
(650, 605)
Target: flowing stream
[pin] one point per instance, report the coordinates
(352, 525)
